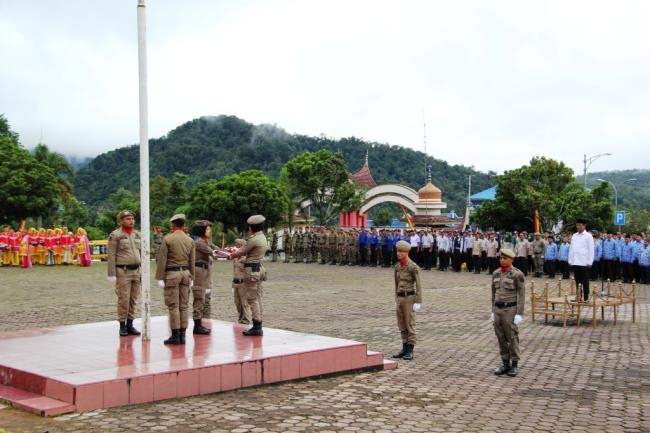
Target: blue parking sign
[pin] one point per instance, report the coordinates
(619, 217)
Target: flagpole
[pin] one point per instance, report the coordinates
(144, 174)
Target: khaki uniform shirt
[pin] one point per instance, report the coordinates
(407, 279)
(203, 258)
(177, 249)
(539, 247)
(509, 287)
(123, 249)
(254, 249)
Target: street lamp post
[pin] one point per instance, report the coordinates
(587, 162)
(616, 193)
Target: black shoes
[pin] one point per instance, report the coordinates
(506, 368)
(256, 330)
(200, 329)
(503, 368)
(401, 353)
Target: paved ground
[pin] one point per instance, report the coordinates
(572, 379)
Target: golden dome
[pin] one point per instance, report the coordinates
(429, 192)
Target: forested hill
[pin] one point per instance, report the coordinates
(213, 147)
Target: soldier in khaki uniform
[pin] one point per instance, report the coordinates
(254, 251)
(408, 298)
(239, 288)
(124, 270)
(175, 272)
(539, 249)
(508, 301)
(202, 289)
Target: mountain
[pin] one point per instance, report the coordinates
(213, 147)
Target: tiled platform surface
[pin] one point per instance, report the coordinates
(79, 368)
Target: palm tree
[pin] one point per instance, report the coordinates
(60, 167)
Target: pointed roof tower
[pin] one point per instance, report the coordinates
(364, 177)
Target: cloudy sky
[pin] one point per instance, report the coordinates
(495, 82)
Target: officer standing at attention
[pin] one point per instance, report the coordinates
(408, 298)
(539, 250)
(508, 301)
(254, 251)
(175, 272)
(124, 270)
(202, 289)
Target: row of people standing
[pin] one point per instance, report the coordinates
(184, 266)
(47, 247)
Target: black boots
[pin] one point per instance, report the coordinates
(256, 330)
(504, 368)
(175, 337)
(181, 335)
(130, 329)
(513, 369)
(126, 328)
(123, 331)
(401, 353)
(406, 352)
(408, 355)
(200, 329)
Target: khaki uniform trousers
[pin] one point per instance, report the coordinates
(507, 332)
(253, 299)
(538, 259)
(177, 296)
(243, 309)
(199, 294)
(127, 289)
(406, 318)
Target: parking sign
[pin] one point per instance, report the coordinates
(619, 217)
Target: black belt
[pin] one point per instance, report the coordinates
(504, 304)
(202, 265)
(237, 281)
(405, 294)
(125, 267)
(177, 268)
(255, 267)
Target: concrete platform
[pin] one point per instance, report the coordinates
(80, 368)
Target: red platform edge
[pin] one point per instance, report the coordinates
(79, 368)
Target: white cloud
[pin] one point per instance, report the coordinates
(496, 82)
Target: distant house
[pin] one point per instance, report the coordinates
(480, 197)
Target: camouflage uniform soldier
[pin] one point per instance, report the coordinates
(332, 250)
(274, 245)
(323, 239)
(288, 245)
(342, 242)
(297, 249)
(124, 270)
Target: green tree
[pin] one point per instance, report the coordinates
(232, 199)
(122, 199)
(28, 188)
(548, 186)
(61, 168)
(320, 180)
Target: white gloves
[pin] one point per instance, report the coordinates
(416, 307)
(518, 319)
(161, 284)
(492, 317)
(191, 283)
(112, 279)
(208, 291)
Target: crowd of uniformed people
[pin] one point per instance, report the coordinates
(617, 256)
